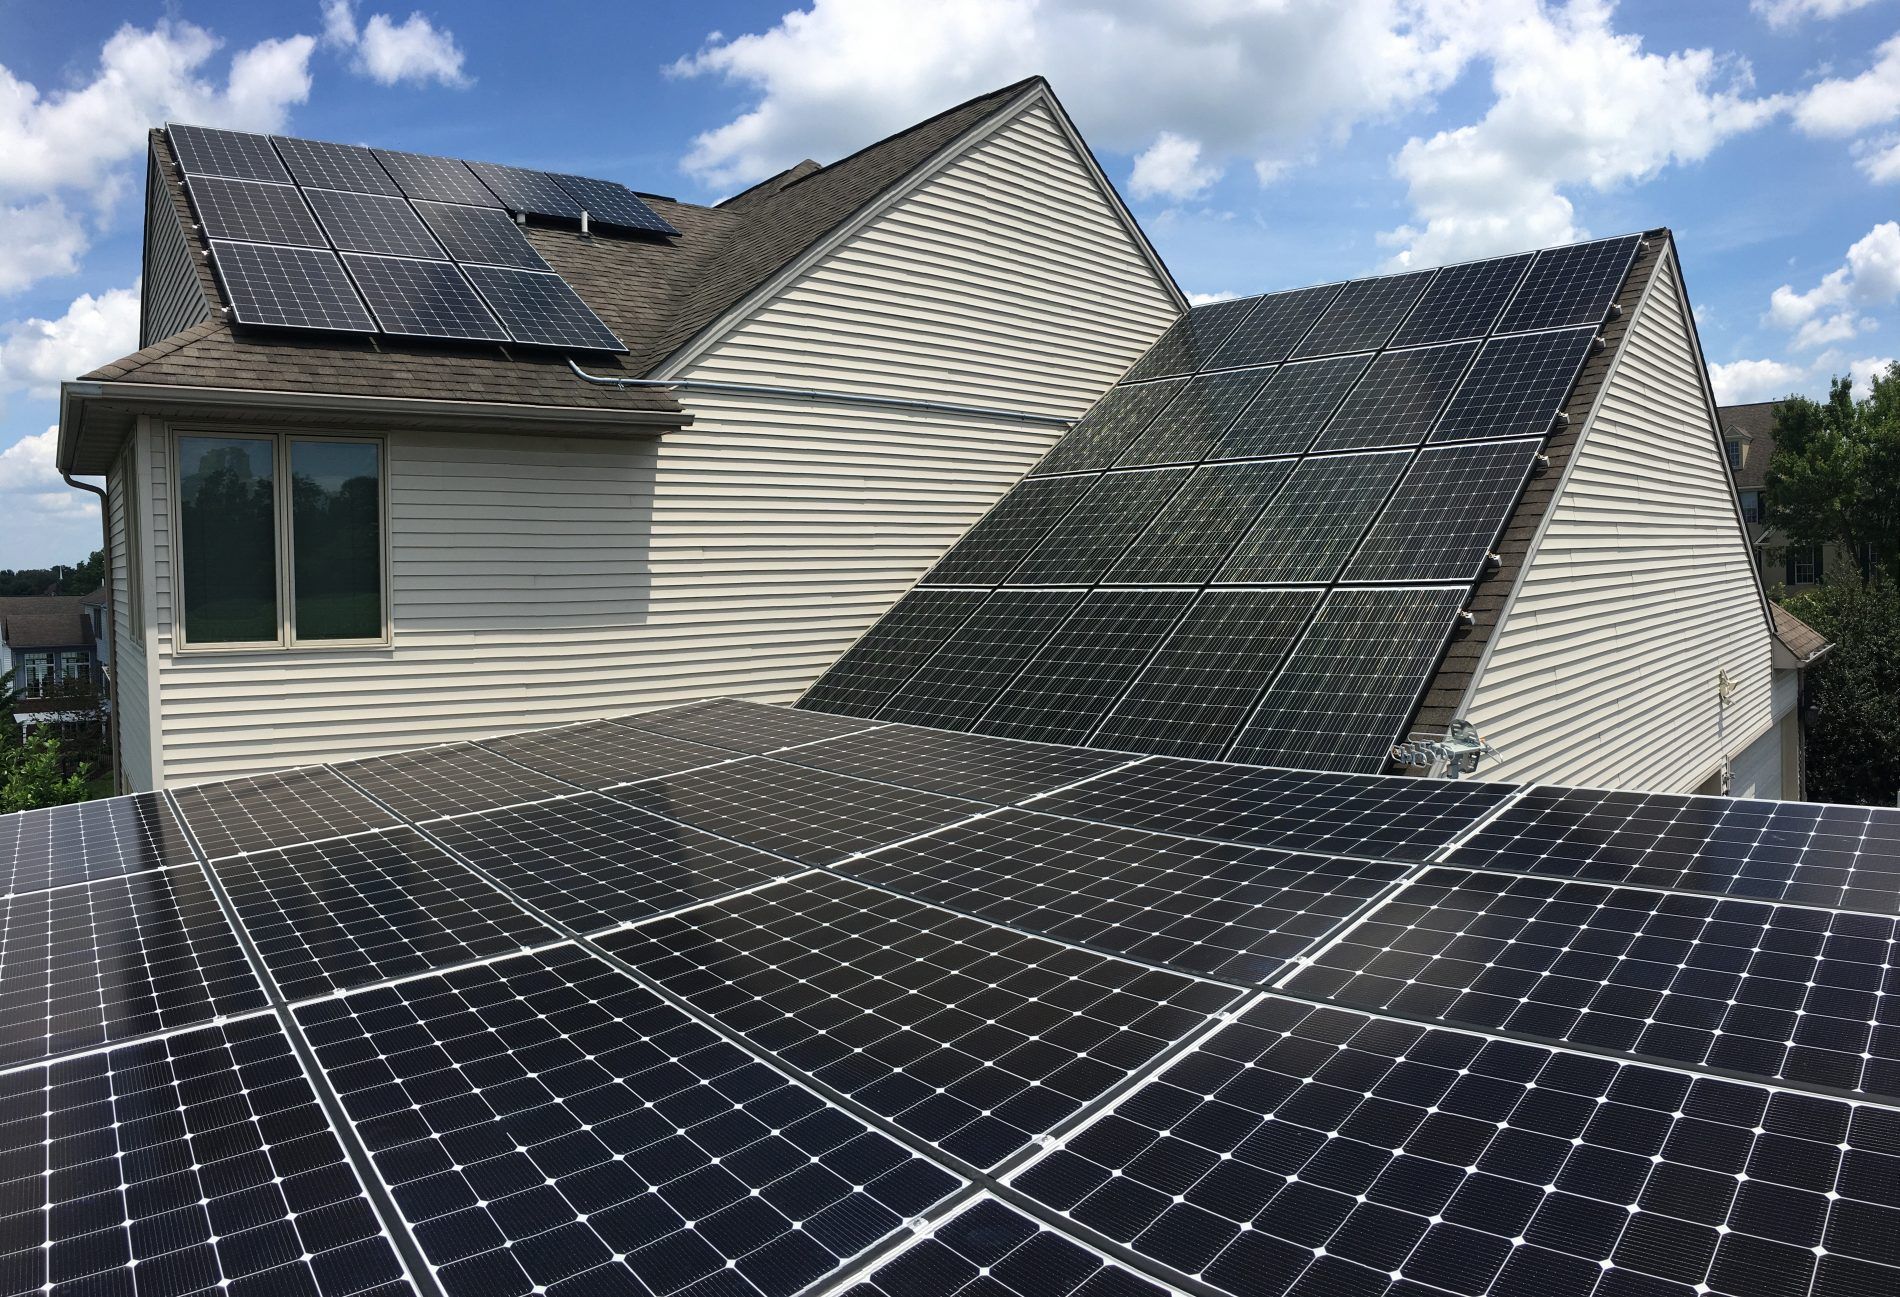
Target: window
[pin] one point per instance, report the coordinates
(1804, 565)
(282, 540)
(1751, 506)
(1733, 449)
(36, 671)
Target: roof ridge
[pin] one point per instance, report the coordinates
(158, 350)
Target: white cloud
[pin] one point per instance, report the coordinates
(1784, 13)
(38, 240)
(389, 52)
(1881, 161)
(42, 520)
(1848, 105)
(1865, 369)
(37, 355)
(339, 24)
(1171, 167)
(1821, 330)
(1740, 382)
(1870, 276)
(1202, 299)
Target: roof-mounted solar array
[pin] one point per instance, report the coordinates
(1344, 457)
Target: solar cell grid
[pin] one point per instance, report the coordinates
(1443, 518)
(1086, 541)
(601, 754)
(276, 810)
(1571, 285)
(203, 151)
(613, 204)
(372, 223)
(990, 1250)
(1191, 340)
(317, 164)
(350, 911)
(1269, 331)
(1399, 399)
(545, 1123)
(1193, 421)
(541, 309)
(870, 671)
(1464, 301)
(1198, 528)
(197, 1163)
(291, 288)
(1195, 693)
(429, 783)
(85, 966)
(1003, 537)
(523, 190)
(1364, 315)
(1231, 912)
(1323, 1152)
(1288, 413)
(971, 1037)
(422, 299)
(76, 844)
(591, 862)
(740, 726)
(1351, 684)
(254, 212)
(1771, 991)
(480, 234)
(1517, 386)
(442, 180)
(1111, 424)
(977, 766)
(1313, 523)
(974, 663)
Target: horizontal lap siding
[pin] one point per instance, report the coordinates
(1639, 592)
(130, 701)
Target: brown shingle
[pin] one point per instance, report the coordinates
(1799, 638)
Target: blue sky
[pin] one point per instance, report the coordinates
(1262, 145)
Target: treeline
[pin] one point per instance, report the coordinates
(79, 578)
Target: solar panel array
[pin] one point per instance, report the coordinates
(728, 1000)
(312, 235)
(1256, 544)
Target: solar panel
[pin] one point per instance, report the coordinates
(87, 966)
(1087, 540)
(1320, 1151)
(1770, 990)
(1003, 537)
(1273, 327)
(427, 783)
(372, 223)
(977, 766)
(276, 810)
(521, 190)
(1111, 424)
(480, 234)
(541, 309)
(612, 203)
(256, 213)
(1571, 285)
(203, 151)
(1190, 425)
(1199, 527)
(1236, 913)
(1290, 410)
(1316, 519)
(200, 1162)
(441, 180)
(870, 671)
(320, 165)
(1464, 301)
(547, 1123)
(76, 844)
(1350, 686)
(1446, 513)
(349, 911)
(422, 299)
(1846, 856)
(740, 726)
(294, 288)
(1064, 690)
(968, 1036)
(1399, 399)
(1517, 387)
(813, 816)
(590, 862)
(971, 665)
(1364, 315)
(601, 754)
(1382, 817)
(1190, 340)
(990, 1250)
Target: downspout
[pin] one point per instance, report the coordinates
(112, 624)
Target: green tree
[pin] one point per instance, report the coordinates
(35, 770)
(1854, 692)
(1835, 475)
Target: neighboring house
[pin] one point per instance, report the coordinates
(50, 639)
(1748, 439)
(325, 545)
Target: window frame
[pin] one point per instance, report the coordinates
(1751, 505)
(283, 520)
(1804, 556)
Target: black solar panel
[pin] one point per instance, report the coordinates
(204, 151)
(541, 309)
(1236, 913)
(1313, 523)
(600, 754)
(254, 212)
(870, 671)
(442, 180)
(422, 299)
(971, 665)
(1399, 399)
(1571, 285)
(319, 165)
(547, 1124)
(1445, 515)
(1288, 413)
(590, 862)
(1517, 387)
(1111, 424)
(1191, 340)
(1082, 546)
(427, 783)
(1004, 536)
(76, 844)
(1352, 683)
(966, 1035)
(480, 234)
(372, 223)
(1190, 425)
(1066, 688)
(977, 766)
(522, 190)
(1464, 301)
(1197, 691)
(1364, 315)
(1273, 327)
(740, 726)
(1194, 533)
(292, 288)
(990, 1250)
(277, 810)
(612, 203)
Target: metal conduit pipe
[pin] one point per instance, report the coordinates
(815, 394)
(112, 626)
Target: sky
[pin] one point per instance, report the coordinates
(1263, 144)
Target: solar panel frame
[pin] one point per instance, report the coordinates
(422, 299)
(1316, 519)
(1198, 528)
(1399, 399)
(319, 164)
(602, 754)
(877, 664)
(521, 189)
(1517, 387)
(1286, 416)
(1116, 420)
(612, 203)
(1571, 285)
(972, 665)
(481, 235)
(1190, 424)
(980, 767)
(1191, 340)
(1446, 513)
(442, 180)
(249, 211)
(387, 226)
(1464, 301)
(745, 727)
(289, 288)
(263, 812)
(1086, 541)
(1272, 329)
(238, 155)
(79, 843)
(1364, 316)
(542, 309)
(1001, 539)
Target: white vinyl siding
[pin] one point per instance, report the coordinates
(1756, 771)
(1637, 596)
(130, 701)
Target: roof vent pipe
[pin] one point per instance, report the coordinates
(584, 233)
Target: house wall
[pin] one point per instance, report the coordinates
(1756, 771)
(1639, 592)
(170, 296)
(131, 700)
